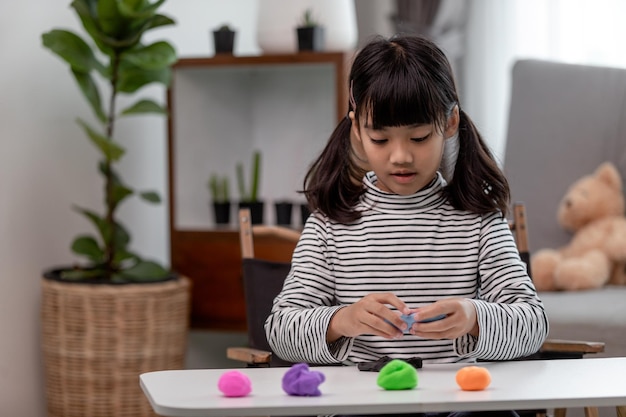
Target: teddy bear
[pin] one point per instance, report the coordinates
(593, 210)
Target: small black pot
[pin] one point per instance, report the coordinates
(310, 38)
(224, 41)
(305, 212)
(221, 212)
(256, 210)
(283, 212)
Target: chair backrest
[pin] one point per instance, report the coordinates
(520, 231)
(564, 121)
(262, 279)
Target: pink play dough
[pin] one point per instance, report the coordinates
(234, 384)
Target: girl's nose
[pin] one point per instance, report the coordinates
(400, 155)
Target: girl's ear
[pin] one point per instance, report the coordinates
(354, 129)
(357, 143)
(452, 126)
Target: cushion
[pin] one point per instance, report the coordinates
(595, 316)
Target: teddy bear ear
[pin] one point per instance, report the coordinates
(608, 174)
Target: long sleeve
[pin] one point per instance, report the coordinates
(511, 317)
(296, 327)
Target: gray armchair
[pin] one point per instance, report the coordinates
(564, 121)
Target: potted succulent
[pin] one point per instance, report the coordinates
(220, 194)
(249, 197)
(310, 33)
(224, 39)
(115, 315)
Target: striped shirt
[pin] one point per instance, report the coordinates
(422, 249)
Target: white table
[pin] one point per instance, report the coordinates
(514, 386)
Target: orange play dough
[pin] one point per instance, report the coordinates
(473, 378)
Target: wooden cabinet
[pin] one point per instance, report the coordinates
(222, 109)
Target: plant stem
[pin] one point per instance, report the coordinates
(256, 166)
(109, 252)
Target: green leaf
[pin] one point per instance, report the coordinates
(90, 91)
(132, 78)
(118, 278)
(109, 18)
(114, 176)
(88, 246)
(122, 237)
(120, 192)
(144, 106)
(158, 21)
(124, 255)
(254, 176)
(72, 49)
(113, 44)
(110, 150)
(155, 56)
(107, 25)
(151, 196)
(87, 12)
(95, 219)
(130, 9)
(141, 26)
(92, 5)
(145, 271)
(129, 35)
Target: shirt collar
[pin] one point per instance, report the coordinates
(428, 197)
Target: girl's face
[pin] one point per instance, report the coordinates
(405, 159)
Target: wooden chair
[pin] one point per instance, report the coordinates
(263, 280)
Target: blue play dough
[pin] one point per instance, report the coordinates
(409, 320)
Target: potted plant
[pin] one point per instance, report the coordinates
(305, 212)
(250, 197)
(283, 209)
(224, 39)
(116, 315)
(310, 33)
(220, 194)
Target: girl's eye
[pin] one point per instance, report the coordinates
(378, 141)
(422, 139)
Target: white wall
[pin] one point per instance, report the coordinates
(47, 165)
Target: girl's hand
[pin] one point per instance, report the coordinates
(460, 319)
(369, 315)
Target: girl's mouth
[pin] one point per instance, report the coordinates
(403, 177)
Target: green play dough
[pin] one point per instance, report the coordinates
(397, 375)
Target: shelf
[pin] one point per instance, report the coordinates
(222, 109)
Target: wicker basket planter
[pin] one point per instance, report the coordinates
(98, 338)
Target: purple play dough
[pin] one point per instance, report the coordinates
(300, 381)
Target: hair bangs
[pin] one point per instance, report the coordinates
(403, 99)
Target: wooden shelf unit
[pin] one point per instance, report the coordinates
(218, 113)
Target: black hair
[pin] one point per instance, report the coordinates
(401, 81)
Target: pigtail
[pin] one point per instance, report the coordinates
(333, 183)
(479, 185)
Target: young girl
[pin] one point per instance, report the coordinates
(403, 238)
